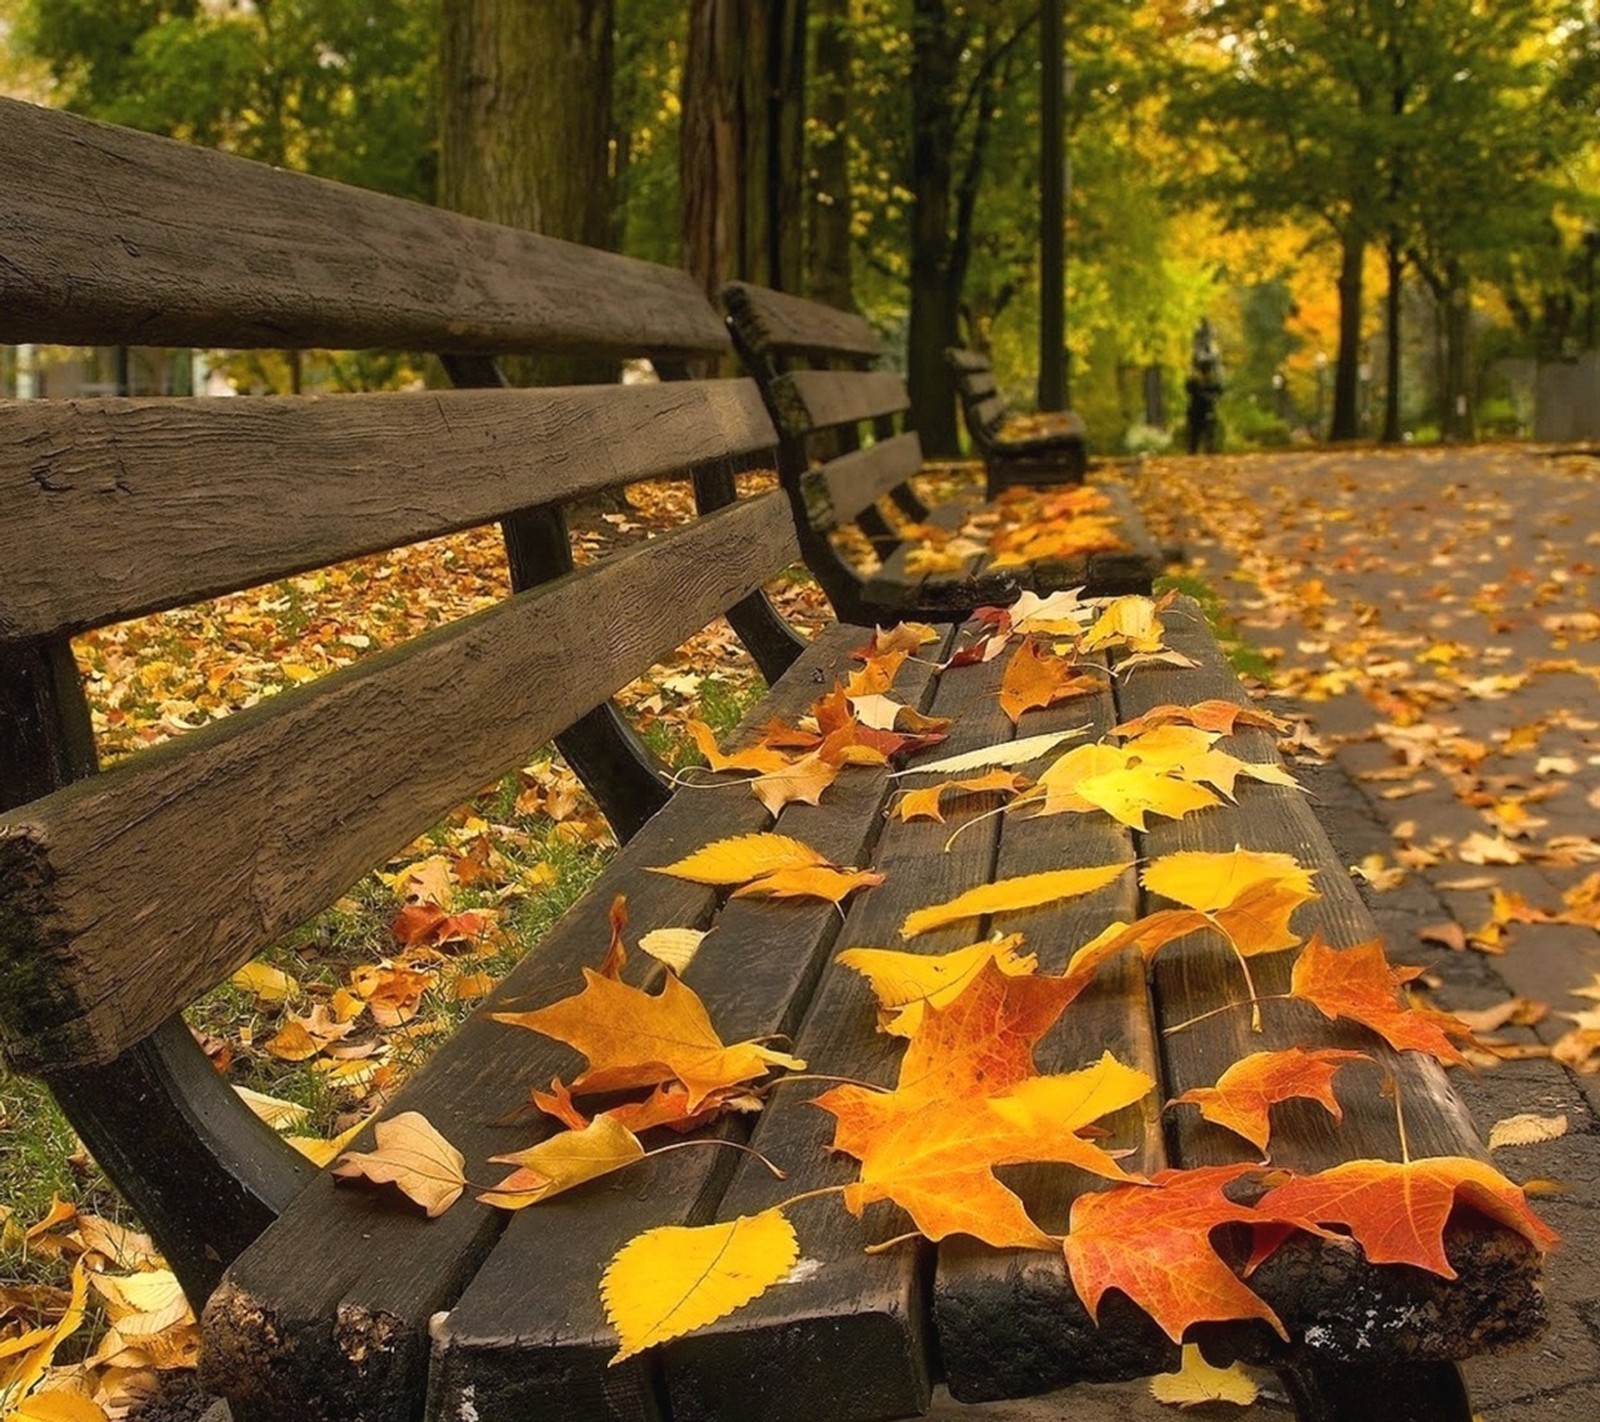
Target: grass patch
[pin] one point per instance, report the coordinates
(1248, 661)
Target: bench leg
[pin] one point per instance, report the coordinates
(1417, 1392)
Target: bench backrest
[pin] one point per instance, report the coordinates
(982, 404)
(125, 895)
(816, 366)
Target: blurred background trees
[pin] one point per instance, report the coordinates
(1380, 205)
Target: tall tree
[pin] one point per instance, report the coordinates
(526, 124)
(742, 142)
(829, 208)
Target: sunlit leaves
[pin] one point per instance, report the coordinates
(1245, 1093)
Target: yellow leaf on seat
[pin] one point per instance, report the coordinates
(1011, 895)
(564, 1161)
(742, 858)
(906, 984)
(1196, 1381)
(667, 1282)
(413, 1156)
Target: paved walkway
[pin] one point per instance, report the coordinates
(1436, 618)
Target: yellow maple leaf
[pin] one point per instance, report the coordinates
(1196, 1381)
(1134, 791)
(1248, 894)
(906, 984)
(1012, 895)
(563, 1161)
(414, 1157)
(667, 1282)
(742, 858)
(761, 759)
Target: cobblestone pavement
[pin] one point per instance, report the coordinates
(1436, 617)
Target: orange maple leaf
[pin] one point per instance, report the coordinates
(1224, 717)
(760, 758)
(1154, 1244)
(1397, 1212)
(1244, 1094)
(1359, 983)
(1033, 678)
(634, 1038)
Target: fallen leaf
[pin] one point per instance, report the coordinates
(562, 1162)
(1397, 1212)
(669, 1281)
(802, 782)
(1224, 717)
(924, 803)
(1006, 753)
(742, 858)
(633, 1038)
(761, 759)
(1034, 679)
(673, 946)
(1196, 1381)
(905, 984)
(1525, 1130)
(271, 987)
(1358, 983)
(1244, 1093)
(1012, 895)
(413, 1156)
(825, 882)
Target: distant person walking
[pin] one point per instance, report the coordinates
(1204, 390)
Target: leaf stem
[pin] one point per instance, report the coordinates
(810, 1195)
(823, 1076)
(1251, 1002)
(777, 1171)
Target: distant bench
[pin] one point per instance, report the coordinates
(844, 459)
(1016, 449)
(126, 894)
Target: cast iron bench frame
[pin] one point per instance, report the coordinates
(1057, 455)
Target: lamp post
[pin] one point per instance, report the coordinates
(1322, 391)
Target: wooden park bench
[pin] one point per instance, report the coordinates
(127, 893)
(845, 461)
(1036, 449)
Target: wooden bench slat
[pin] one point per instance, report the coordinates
(352, 1332)
(977, 386)
(775, 324)
(1329, 1295)
(1009, 1322)
(745, 1365)
(806, 400)
(989, 412)
(114, 508)
(967, 361)
(114, 237)
(755, 973)
(837, 491)
(136, 891)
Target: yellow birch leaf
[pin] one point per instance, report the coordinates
(667, 1282)
(673, 946)
(563, 1161)
(57, 1405)
(414, 1157)
(742, 858)
(905, 984)
(150, 1301)
(1011, 895)
(825, 882)
(1196, 1381)
(271, 987)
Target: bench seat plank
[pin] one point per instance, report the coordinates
(111, 237)
(189, 858)
(856, 1327)
(756, 973)
(114, 508)
(1008, 1322)
(351, 1331)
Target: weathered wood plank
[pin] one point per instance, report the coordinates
(841, 489)
(126, 896)
(350, 1334)
(1009, 1322)
(755, 973)
(806, 400)
(114, 237)
(856, 1327)
(777, 325)
(966, 361)
(1339, 1308)
(113, 508)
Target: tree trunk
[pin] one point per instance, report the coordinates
(936, 53)
(1347, 369)
(741, 156)
(1459, 422)
(828, 276)
(525, 124)
(1391, 375)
